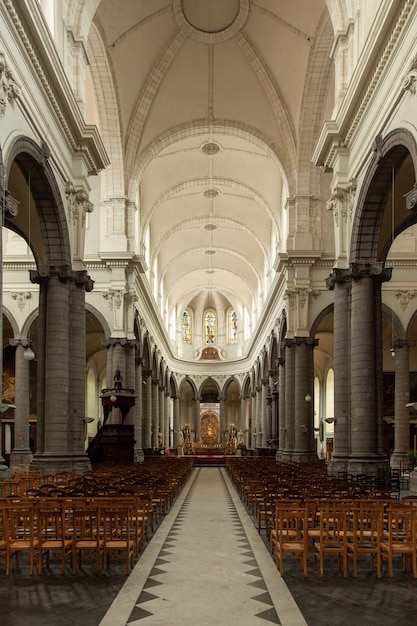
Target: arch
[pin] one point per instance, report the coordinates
(104, 323)
(320, 317)
(12, 321)
(30, 158)
(389, 153)
(198, 128)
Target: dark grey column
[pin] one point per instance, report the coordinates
(223, 419)
(147, 409)
(289, 399)
(138, 411)
(197, 417)
(21, 455)
(264, 413)
(340, 282)
(155, 412)
(366, 371)
(281, 408)
(304, 444)
(402, 397)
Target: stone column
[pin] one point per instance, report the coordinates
(162, 416)
(281, 408)
(289, 427)
(402, 397)
(178, 437)
(366, 371)
(304, 444)
(21, 455)
(223, 418)
(61, 374)
(264, 413)
(155, 412)
(340, 282)
(197, 419)
(147, 409)
(138, 412)
(244, 418)
(253, 428)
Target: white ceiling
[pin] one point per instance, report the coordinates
(211, 96)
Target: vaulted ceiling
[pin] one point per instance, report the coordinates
(213, 100)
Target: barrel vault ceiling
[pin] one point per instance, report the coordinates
(211, 98)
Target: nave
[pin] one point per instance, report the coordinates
(206, 565)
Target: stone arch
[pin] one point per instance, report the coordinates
(374, 199)
(34, 161)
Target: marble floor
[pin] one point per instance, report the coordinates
(206, 564)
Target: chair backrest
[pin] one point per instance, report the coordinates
(291, 523)
(402, 524)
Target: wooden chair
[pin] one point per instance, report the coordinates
(291, 535)
(117, 537)
(3, 531)
(332, 538)
(282, 504)
(400, 537)
(53, 532)
(366, 536)
(87, 535)
(21, 533)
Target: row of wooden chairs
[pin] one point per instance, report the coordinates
(109, 509)
(71, 528)
(348, 530)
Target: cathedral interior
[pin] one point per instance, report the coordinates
(209, 233)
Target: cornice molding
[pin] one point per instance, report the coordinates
(84, 139)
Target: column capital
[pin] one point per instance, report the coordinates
(64, 273)
(119, 341)
(338, 276)
(403, 343)
(22, 341)
(376, 271)
(309, 341)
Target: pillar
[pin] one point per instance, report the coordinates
(147, 409)
(399, 458)
(366, 371)
(263, 443)
(138, 411)
(289, 426)
(61, 369)
(21, 455)
(281, 408)
(197, 419)
(155, 412)
(340, 282)
(223, 419)
(304, 444)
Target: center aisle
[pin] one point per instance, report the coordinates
(206, 565)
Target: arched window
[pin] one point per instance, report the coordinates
(210, 327)
(232, 326)
(186, 329)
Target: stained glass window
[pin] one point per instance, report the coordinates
(210, 327)
(186, 326)
(232, 326)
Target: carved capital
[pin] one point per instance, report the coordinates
(410, 81)
(9, 89)
(341, 202)
(21, 298)
(411, 198)
(114, 297)
(64, 273)
(78, 203)
(376, 271)
(404, 296)
(337, 275)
